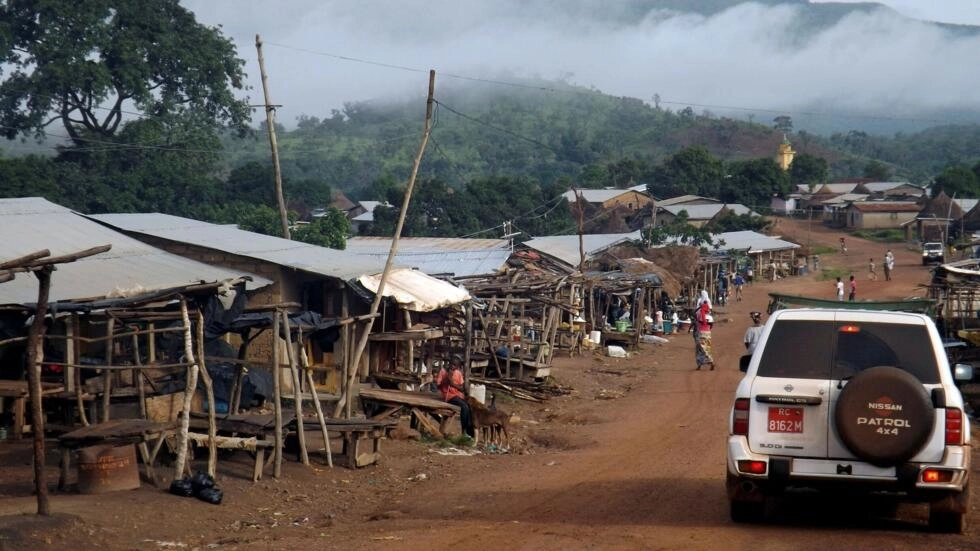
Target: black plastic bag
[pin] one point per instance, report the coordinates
(200, 482)
(210, 495)
(182, 488)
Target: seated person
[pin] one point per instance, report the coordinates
(450, 384)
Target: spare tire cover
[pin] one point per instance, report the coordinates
(884, 415)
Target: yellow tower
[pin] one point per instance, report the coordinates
(785, 155)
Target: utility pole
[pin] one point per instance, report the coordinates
(581, 229)
(270, 121)
(344, 405)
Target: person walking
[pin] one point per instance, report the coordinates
(843, 246)
(753, 333)
(872, 274)
(702, 337)
(739, 281)
(816, 263)
(889, 265)
(854, 288)
(840, 289)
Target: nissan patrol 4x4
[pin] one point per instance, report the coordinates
(850, 401)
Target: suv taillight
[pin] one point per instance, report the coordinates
(954, 427)
(740, 417)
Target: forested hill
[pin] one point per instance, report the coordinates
(551, 131)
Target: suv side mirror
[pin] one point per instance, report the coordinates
(962, 372)
(743, 363)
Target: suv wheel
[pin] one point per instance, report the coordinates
(948, 516)
(748, 512)
(884, 415)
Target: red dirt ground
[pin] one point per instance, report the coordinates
(632, 459)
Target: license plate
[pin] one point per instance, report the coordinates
(782, 419)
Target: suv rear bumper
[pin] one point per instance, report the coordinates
(844, 474)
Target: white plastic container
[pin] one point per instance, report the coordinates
(595, 336)
(479, 392)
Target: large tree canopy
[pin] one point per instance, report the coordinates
(84, 64)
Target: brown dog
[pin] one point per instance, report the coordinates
(489, 422)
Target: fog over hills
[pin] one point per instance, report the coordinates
(830, 66)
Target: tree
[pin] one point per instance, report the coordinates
(754, 182)
(83, 63)
(330, 230)
(877, 171)
(679, 229)
(783, 123)
(690, 171)
(957, 180)
(808, 170)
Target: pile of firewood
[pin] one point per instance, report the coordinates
(524, 390)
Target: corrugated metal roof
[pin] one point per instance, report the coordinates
(706, 212)
(32, 224)
(594, 195)
(416, 291)
(747, 240)
(438, 255)
(886, 206)
(687, 199)
(230, 239)
(566, 247)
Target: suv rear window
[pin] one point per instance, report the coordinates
(798, 349)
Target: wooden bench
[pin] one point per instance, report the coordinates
(352, 432)
(428, 410)
(121, 431)
(16, 392)
(259, 430)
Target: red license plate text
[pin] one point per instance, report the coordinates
(782, 419)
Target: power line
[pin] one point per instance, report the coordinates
(579, 91)
(497, 128)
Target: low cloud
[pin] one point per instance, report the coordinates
(321, 54)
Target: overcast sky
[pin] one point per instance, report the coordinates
(322, 53)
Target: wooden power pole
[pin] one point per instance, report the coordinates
(270, 121)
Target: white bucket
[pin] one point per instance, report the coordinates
(479, 392)
(595, 336)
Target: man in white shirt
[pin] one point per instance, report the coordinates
(840, 289)
(753, 333)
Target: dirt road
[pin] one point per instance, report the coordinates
(635, 459)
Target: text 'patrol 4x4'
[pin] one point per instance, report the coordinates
(850, 401)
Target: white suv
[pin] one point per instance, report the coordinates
(850, 400)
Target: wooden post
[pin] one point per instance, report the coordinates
(277, 396)
(209, 389)
(305, 365)
(297, 395)
(347, 396)
(235, 400)
(185, 414)
(74, 346)
(138, 374)
(270, 121)
(35, 355)
(107, 373)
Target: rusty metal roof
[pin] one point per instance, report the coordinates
(32, 224)
(230, 239)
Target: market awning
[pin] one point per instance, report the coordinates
(416, 291)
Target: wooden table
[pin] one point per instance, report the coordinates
(423, 407)
(352, 432)
(261, 427)
(120, 431)
(17, 391)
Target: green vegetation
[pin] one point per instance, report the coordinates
(882, 236)
(497, 158)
